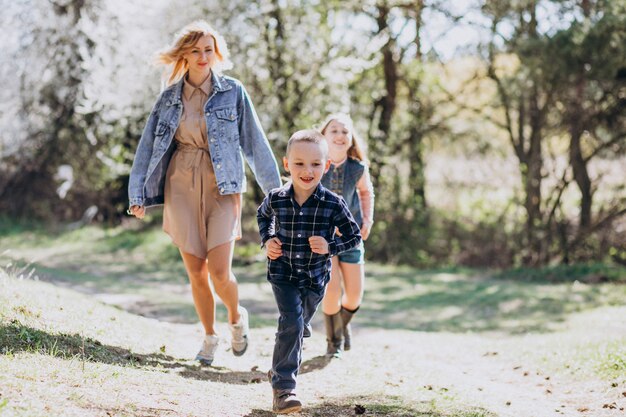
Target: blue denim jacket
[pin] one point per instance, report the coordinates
(232, 128)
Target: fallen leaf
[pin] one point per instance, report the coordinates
(359, 409)
(254, 368)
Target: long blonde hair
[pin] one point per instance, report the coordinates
(184, 41)
(358, 148)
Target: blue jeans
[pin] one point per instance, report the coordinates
(297, 307)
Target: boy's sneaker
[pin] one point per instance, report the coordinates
(239, 331)
(285, 402)
(207, 351)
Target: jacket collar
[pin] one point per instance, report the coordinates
(218, 81)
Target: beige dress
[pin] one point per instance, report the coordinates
(195, 215)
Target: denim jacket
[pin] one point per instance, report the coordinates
(233, 128)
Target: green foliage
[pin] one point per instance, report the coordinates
(587, 273)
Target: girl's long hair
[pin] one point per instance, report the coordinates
(184, 42)
(358, 149)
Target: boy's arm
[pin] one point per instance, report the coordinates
(350, 233)
(266, 220)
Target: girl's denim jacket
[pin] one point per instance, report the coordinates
(232, 128)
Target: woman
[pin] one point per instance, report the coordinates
(189, 158)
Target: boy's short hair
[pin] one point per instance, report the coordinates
(308, 135)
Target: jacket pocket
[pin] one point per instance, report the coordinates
(227, 122)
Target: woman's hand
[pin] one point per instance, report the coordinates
(137, 211)
(318, 245)
(274, 248)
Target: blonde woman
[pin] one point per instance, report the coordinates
(349, 177)
(189, 159)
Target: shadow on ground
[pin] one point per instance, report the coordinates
(15, 337)
(370, 406)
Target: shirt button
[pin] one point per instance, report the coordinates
(299, 270)
(222, 190)
(218, 166)
(301, 213)
(299, 235)
(297, 256)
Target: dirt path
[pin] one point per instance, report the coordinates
(413, 368)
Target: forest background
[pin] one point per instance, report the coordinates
(496, 129)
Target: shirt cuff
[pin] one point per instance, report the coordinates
(264, 240)
(135, 201)
(332, 248)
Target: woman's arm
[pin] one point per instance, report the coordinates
(141, 160)
(255, 145)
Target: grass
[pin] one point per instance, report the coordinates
(593, 273)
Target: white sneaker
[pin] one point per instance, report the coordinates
(207, 351)
(239, 333)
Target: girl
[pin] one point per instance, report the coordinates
(349, 177)
(189, 158)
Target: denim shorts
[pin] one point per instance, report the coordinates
(353, 256)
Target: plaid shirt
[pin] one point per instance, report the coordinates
(280, 216)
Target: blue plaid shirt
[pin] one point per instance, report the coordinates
(280, 216)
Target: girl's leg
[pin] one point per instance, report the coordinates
(331, 306)
(353, 283)
(219, 262)
(332, 299)
(203, 300)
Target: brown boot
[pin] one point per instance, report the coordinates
(285, 402)
(334, 334)
(346, 316)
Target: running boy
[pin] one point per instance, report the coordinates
(297, 225)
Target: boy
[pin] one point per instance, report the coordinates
(297, 225)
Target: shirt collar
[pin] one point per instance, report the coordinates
(189, 89)
(287, 191)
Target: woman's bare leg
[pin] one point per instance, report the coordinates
(203, 300)
(219, 262)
